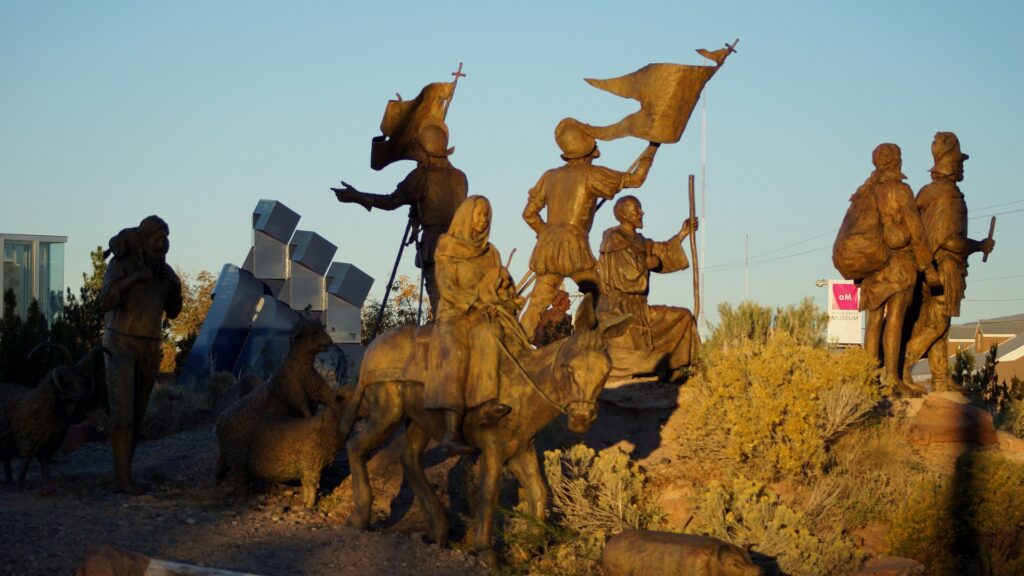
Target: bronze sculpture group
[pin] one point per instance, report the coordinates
(909, 256)
(471, 378)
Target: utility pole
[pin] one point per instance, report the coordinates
(703, 188)
(746, 267)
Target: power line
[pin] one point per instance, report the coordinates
(994, 300)
(740, 261)
(996, 214)
(723, 267)
(976, 280)
(1000, 205)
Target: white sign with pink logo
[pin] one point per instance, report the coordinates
(844, 319)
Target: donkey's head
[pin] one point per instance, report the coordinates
(582, 364)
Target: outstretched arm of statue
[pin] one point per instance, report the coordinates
(985, 245)
(402, 196)
(638, 174)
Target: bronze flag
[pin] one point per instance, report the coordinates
(403, 120)
(667, 94)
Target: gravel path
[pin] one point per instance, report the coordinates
(185, 518)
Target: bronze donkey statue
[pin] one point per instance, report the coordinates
(564, 377)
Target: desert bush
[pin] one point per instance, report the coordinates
(1013, 422)
(970, 524)
(750, 322)
(747, 513)
(176, 406)
(776, 409)
(594, 495)
(873, 469)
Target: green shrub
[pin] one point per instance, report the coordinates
(1013, 421)
(747, 513)
(175, 406)
(750, 322)
(594, 495)
(777, 408)
(970, 524)
(874, 469)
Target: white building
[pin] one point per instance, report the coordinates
(33, 266)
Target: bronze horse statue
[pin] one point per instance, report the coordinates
(564, 377)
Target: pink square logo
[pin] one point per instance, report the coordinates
(845, 297)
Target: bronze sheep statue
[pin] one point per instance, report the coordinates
(274, 432)
(34, 421)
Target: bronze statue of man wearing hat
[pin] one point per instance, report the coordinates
(433, 191)
(570, 194)
(944, 216)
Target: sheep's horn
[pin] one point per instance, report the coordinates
(90, 355)
(52, 344)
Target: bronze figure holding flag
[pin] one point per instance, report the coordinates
(415, 130)
(667, 94)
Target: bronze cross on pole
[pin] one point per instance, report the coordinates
(458, 74)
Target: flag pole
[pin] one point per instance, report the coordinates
(693, 255)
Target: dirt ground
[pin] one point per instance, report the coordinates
(186, 518)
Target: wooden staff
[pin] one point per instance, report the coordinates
(693, 256)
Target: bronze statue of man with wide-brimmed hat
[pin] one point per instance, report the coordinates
(433, 191)
(944, 216)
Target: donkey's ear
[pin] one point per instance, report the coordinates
(586, 318)
(616, 326)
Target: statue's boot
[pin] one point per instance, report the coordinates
(121, 444)
(906, 387)
(452, 442)
(491, 412)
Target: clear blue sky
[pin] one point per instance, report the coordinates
(196, 110)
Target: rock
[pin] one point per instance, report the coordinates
(111, 561)
(891, 566)
(675, 502)
(1010, 443)
(944, 418)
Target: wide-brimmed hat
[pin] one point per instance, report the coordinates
(573, 140)
(946, 153)
(433, 140)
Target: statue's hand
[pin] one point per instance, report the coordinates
(689, 227)
(349, 194)
(931, 277)
(987, 245)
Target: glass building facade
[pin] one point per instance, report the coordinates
(33, 267)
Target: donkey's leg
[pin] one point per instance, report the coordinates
(385, 403)
(527, 470)
(487, 504)
(416, 440)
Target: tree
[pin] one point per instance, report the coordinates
(180, 333)
(752, 322)
(401, 310)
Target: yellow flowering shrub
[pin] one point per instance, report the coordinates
(972, 523)
(747, 513)
(777, 407)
